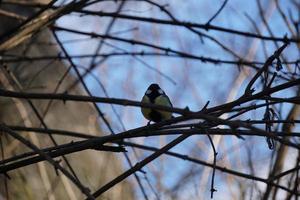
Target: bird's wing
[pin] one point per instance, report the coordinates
(146, 111)
(164, 101)
(171, 105)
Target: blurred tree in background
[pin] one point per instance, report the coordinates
(73, 74)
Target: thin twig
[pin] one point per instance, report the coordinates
(212, 188)
(217, 13)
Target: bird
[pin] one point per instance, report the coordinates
(155, 95)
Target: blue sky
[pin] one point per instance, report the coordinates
(196, 82)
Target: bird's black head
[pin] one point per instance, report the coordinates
(153, 87)
(154, 91)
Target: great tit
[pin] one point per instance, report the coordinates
(154, 94)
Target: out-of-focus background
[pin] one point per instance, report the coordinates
(121, 47)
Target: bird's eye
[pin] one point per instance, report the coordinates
(148, 91)
(160, 91)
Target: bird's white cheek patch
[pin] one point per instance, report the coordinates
(160, 91)
(148, 91)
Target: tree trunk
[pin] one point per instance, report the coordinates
(39, 181)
